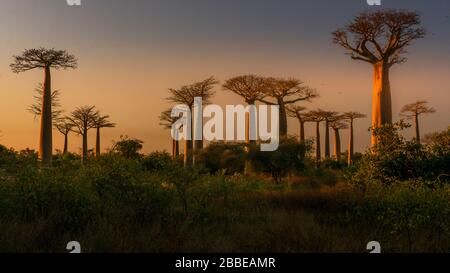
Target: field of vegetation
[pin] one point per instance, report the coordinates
(123, 201)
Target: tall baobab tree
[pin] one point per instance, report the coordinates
(380, 38)
(36, 107)
(297, 111)
(251, 88)
(317, 117)
(65, 126)
(186, 95)
(285, 92)
(83, 118)
(99, 123)
(44, 59)
(328, 116)
(414, 110)
(167, 121)
(351, 116)
(337, 125)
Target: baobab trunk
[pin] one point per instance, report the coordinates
(45, 142)
(302, 132)
(97, 143)
(350, 144)
(85, 149)
(318, 152)
(283, 118)
(250, 134)
(416, 117)
(189, 146)
(337, 144)
(381, 98)
(327, 139)
(66, 143)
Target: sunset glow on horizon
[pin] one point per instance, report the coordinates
(130, 52)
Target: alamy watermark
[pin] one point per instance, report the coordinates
(241, 123)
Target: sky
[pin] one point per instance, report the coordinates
(130, 52)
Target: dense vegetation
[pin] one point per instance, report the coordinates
(124, 201)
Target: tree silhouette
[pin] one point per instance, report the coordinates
(45, 59)
(83, 118)
(297, 111)
(285, 92)
(317, 117)
(167, 121)
(36, 107)
(380, 38)
(351, 116)
(251, 88)
(328, 116)
(128, 147)
(414, 110)
(64, 126)
(186, 95)
(337, 125)
(99, 123)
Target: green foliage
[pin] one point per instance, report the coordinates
(128, 147)
(396, 159)
(222, 156)
(157, 161)
(289, 157)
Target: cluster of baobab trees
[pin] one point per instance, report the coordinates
(379, 38)
(47, 105)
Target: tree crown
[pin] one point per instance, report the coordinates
(250, 87)
(41, 58)
(416, 108)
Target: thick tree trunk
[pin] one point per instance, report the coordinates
(249, 118)
(177, 148)
(97, 143)
(350, 145)
(302, 131)
(327, 139)
(416, 118)
(66, 143)
(318, 152)
(85, 145)
(174, 149)
(45, 142)
(337, 145)
(283, 118)
(381, 97)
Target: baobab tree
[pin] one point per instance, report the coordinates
(380, 38)
(251, 88)
(186, 95)
(64, 126)
(338, 125)
(167, 121)
(83, 118)
(99, 123)
(285, 92)
(44, 59)
(351, 116)
(414, 110)
(297, 111)
(317, 117)
(328, 116)
(36, 107)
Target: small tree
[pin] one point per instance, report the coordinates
(83, 119)
(128, 147)
(285, 92)
(351, 116)
(381, 39)
(99, 123)
(65, 126)
(36, 107)
(414, 110)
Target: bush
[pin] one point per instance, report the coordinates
(222, 156)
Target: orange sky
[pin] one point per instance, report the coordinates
(127, 76)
